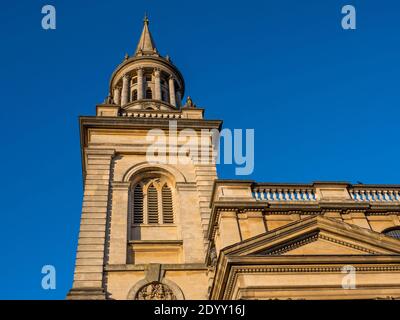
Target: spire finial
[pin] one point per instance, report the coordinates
(146, 45)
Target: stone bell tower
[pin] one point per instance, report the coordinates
(143, 223)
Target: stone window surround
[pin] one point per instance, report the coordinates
(158, 181)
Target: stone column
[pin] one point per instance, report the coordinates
(117, 95)
(125, 90)
(89, 273)
(157, 84)
(140, 92)
(119, 223)
(172, 97)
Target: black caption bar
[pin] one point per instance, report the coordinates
(147, 310)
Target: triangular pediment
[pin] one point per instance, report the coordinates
(316, 235)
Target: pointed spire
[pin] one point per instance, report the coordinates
(146, 45)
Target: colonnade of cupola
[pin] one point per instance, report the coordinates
(147, 83)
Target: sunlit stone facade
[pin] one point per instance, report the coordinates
(174, 231)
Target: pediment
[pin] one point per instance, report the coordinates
(317, 244)
(317, 235)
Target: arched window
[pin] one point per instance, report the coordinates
(134, 95)
(149, 94)
(393, 232)
(152, 202)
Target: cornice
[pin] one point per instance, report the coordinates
(145, 123)
(118, 123)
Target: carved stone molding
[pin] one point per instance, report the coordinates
(155, 291)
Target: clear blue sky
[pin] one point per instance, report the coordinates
(324, 102)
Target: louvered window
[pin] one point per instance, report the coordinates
(168, 214)
(138, 204)
(152, 204)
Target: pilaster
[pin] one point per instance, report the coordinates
(119, 223)
(88, 276)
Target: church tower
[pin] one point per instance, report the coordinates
(143, 229)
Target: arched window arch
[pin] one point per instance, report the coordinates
(149, 94)
(134, 95)
(152, 202)
(393, 232)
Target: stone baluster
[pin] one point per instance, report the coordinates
(313, 196)
(286, 194)
(373, 195)
(263, 194)
(298, 194)
(257, 194)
